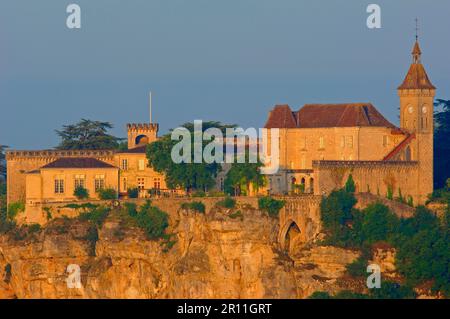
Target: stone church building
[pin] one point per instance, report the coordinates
(322, 144)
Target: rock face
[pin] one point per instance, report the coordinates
(215, 256)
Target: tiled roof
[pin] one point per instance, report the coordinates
(78, 162)
(327, 115)
(399, 147)
(416, 78)
(136, 150)
(281, 117)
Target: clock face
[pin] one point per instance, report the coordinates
(424, 110)
(410, 109)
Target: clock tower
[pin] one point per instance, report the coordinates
(416, 118)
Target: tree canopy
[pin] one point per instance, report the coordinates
(186, 175)
(2, 160)
(422, 241)
(87, 135)
(442, 143)
(242, 176)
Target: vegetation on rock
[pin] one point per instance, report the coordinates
(271, 205)
(422, 242)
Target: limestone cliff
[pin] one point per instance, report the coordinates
(215, 256)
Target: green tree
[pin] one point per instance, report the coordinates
(2, 162)
(441, 143)
(190, 176)
(87, 135)
(241, 176)
(336, 213)
(350, 184)
(378, 223)
(271, 205)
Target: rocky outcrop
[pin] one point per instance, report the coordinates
(214, 256)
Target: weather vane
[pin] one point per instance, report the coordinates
(417, 29)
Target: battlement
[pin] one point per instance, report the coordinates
(142, 126)
(319, 164)
(20, 154)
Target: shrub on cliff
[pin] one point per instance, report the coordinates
(227, 202)
(271, 205)
(388, 290)
(422, 242)
(81, 193)
(195, 206)
(336, 214)
(96, 215)
(14, 209)
(152, 220)
(378, 224)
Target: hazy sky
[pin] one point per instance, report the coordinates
(227, 60)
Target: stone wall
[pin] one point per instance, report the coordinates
(370, 177)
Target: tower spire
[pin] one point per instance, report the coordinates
(416, 53)
(417, 29)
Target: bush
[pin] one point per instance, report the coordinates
(107, 193)
(358, 268)
(14, 209)
(97, 215)
(392, 290)
(336, 212)
(196, 206)
(378, 223)
(81, 193)
(320, 295)
(227, 202)
(34, 228)
(270, 205)
(422, 242)
(237, 214)
(131, 209)
(153, 221)
(133, 192)
(199, 194)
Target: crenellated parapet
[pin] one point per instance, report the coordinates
(21, 154)
(354, 164)
(143, 126)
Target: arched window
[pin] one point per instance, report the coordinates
(408, 153)
(311, 185)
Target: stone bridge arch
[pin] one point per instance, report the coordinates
(299, 222)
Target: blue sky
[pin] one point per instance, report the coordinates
(228, 60)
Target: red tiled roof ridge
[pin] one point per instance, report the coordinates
(77, 162)
(327, 115)
(399, 147)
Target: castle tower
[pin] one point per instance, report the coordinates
(416, 117)
(140, 134)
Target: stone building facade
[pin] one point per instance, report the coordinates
(322, 144)
(40, 177)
